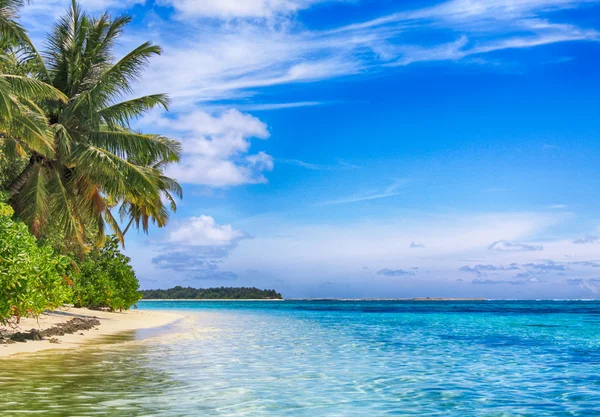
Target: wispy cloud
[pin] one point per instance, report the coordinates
(586, 240)
(340, 165)
(415, 245)
(481, 269)
(251, 9)
(480, 281)
(391, 191)
(394, 272)
(505, 246)
(278, 106)
(221, 57)
(226, 50)
(548, 266)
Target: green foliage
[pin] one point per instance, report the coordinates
(10, 168)
(106, 279)
(222, 293)
(32, 277)
(65, 116)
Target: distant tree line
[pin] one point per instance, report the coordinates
(221, 293)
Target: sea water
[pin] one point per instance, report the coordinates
(327, 358)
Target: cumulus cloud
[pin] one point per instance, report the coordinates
(415, 245)
(203, 259)
(196, 248)
(204, 231)
(394, 272)
(505, 246)
(226, 51)
(586, 240)
(224, 48)
(195, 263)
(217, 147)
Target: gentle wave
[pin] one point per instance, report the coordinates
(314, 358)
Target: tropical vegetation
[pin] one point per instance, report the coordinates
(72, 167)
(32, 277)
(106, 279)
(221, 293)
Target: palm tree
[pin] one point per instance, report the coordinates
(11, 32)
(23, 124)
(140, 212)
(93, 164)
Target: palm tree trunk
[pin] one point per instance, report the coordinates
(22, 179)
(128, 226)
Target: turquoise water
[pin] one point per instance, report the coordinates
(329, 358)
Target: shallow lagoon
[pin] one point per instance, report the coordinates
(327, 358)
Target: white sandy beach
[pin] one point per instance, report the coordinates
(111, 323)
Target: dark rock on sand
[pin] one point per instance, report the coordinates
(72, 326)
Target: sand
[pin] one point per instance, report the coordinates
(111, 323)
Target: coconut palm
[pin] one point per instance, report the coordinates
(93, 164)
(11, 32)
(143, 211)
(23, 124)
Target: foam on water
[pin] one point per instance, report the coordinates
(329, 358)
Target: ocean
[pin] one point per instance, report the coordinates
(327, 358)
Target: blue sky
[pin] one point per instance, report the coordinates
(362, 148)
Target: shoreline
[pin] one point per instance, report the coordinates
(110, 324)
(211, 299)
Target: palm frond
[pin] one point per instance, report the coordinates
(34, 200)
(124, 144)
(124, 112)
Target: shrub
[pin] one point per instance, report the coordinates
(106, 279)
(32, 278)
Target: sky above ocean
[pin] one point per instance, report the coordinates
(362, 148)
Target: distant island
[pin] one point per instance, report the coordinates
(448, 299)
(221, 293)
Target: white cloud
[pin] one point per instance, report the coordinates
(208, 59)
(278, 106)
(204, 231)
(102, 5)
(391, 191)
(505, 246)
(339, 166)
(215, 59)
(586, 240)
(40, 10)
(341, 249)
(216, 147)
(227, 9)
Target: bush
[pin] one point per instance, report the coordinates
(106, 279)
(32, 278)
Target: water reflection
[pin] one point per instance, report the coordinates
(107, 381)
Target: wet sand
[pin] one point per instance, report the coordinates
(110, 324)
